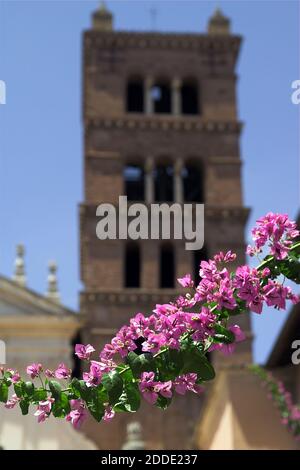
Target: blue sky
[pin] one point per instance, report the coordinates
(41, 134)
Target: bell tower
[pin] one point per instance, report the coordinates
(160, 125)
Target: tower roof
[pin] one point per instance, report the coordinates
(103, 19)
(218, 23)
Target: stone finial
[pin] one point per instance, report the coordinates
(52, 291)
(103, 19)
(218, 24)
(19, 274)
(134, 439)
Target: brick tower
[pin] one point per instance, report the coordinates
(160, 124)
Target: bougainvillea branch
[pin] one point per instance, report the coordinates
(290, 413)
(165, 353)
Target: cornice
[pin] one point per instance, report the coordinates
(104, 155)
(149, 40)
(128, 296)
(142, 122)
(227, 213)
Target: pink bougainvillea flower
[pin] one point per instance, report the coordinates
(123, 342)
(84, 351)
(187, 382)
(108, 352)
(238, 333)
(276, 294)
(164, 388)
(93, 377)
(50, 374)
(44, 409)
(62, 372)
(11, 403)
(154, 342)
(151, 389)
(77, 417)
(34, 370)
(15, 376)
(225, 258)
(146, 387)
(186, 281)
(109, 413)
(164, 309)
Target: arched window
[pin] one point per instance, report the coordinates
(161, 97)
(135, 96)
(134, 182)
(193, 182)
(163, 183)
(166, 267)
(132, 265)
(189, 97)
(199, 255)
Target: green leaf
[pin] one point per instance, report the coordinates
(170, 364)
(7, 376)
(28, 388)
(290, 269)
(95, 403)
(130, 400)
(113, 384)
(18, 388)
(24, 405)
(80, 389)
(222, 335)
(3, 392)
(55, 389)
(39, 395)
(163, 403)
(141, 363)
(125, 372)
(61, 406)
(195, 361)
(133, 397)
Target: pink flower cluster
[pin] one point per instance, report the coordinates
(151, 389)
(199, 315)
(62, 372)
(167, 324)
(276, 230)
(251, 288)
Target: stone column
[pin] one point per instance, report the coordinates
(178, 183)
(149, 180)
(148, 96)
(176, 96)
